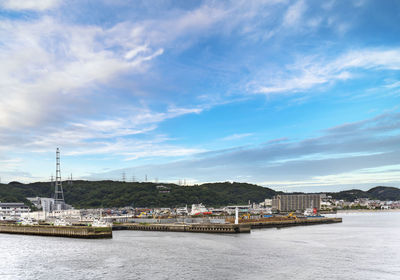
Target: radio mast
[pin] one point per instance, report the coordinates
(58, 191)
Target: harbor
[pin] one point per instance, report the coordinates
(201, 226)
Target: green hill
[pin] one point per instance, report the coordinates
(385, 193)
(377, 193)
(87, 194)
(90, 194)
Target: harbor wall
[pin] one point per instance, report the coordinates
(59, 231)
(293, 222)
(205, 228)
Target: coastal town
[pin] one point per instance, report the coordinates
(46, 209)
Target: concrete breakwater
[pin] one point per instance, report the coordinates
(205, 228)
(292, 222)
(59, 231)
(243, 227)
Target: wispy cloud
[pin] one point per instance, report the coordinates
(294, 13)
(310, 72)
(30, 5)
(341, 154)
(236, 136)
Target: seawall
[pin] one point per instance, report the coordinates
(292, 222)
(58, 231)
(205, 228)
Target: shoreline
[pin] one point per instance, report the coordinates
(367, 211)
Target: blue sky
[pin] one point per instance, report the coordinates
(294, 95)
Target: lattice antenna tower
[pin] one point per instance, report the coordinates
(70, 180)
(58, 191)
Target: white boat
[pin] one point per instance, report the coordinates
(312, 213)
(198, 209)
(309, 212)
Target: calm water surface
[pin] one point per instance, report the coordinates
(364, 246)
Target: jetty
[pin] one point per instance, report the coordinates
(204, 228)
(58, 231)
(291, 222)
(244, 226)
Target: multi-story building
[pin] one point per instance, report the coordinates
(48, 204)
(13, 209)
(293, 202)
(44, 203)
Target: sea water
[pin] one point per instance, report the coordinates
(364, 246)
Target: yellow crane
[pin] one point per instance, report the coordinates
(292, 215)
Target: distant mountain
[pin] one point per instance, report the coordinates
(385, 193)
(378, 193)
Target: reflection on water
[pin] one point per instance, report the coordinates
(364, 246)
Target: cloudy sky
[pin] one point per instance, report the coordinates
(294, 95)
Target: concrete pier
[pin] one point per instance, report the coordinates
(59, 231)
(205, 228)
(292, 222)
(242, 227)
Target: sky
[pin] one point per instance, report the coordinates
(292, 95)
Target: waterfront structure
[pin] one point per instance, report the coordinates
(12, 210)
(230, 210)
(267, 203)
(294, 202)
(44, 203)
(182, 211)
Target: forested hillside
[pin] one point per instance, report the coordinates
(88, 194)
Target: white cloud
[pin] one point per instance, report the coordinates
(294, 13)
(361, 152)
(393, 85)
(31, 5)
(10, 164)
(236, 136)
(44, 64)
(366, 176)
(313, 71)
(50, 77)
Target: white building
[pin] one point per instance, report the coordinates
(242, 209)
(48, 204)
(44, 203)
(13, 209)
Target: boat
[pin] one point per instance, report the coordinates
(312, 213)
(199, 209)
